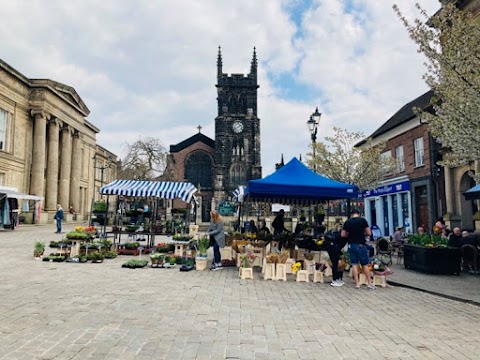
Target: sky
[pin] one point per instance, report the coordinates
(147, 68)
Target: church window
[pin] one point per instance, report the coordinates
(198, 169)
(237, 174)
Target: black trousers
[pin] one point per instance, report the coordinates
(334, 253)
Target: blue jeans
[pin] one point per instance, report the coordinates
(216, 253)
(59, 225)
(358, 254)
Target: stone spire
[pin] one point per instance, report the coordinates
(219, 63)
(254, 63)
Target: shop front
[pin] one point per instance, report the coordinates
(389, 206)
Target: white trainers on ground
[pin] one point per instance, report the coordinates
(371, 287)
(337, 283)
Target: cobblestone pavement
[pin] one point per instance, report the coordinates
(102, 311)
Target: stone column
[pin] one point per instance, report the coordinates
(52, 164)
(76, 171)
(449, 190)
(65, 167)
(37, 178)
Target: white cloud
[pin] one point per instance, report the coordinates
(148, 68)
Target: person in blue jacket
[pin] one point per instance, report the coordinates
(59, 218)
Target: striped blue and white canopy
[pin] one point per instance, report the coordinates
(239, 193)
(159, 189)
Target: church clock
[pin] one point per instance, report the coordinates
(237, 127)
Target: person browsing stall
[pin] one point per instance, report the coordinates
(355, 230)
(217, 235)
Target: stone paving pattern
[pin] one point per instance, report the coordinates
(102, 311)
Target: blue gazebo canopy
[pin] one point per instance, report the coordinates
(473, 193)
(295, 181)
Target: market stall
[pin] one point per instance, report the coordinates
(9, 206)
(153, 190)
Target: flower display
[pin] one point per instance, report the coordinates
(297, 266)
(247, 259)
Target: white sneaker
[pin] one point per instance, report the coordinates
(336, 283)
(340, 282)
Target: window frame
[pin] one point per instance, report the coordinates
(419, 152)
(400, 158)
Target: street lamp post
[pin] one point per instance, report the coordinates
(102, 167)
(312, 124)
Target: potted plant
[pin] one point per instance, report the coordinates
(134, 264)
(38, 249)
(96, 257)
(430, 253)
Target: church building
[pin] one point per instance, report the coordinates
(218, 166)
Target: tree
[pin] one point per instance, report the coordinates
(146, 159)
(450, 42)
(339, 159)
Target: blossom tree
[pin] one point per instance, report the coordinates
(450, 42)
(339, 159)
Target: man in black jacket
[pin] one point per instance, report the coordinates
(334, 244)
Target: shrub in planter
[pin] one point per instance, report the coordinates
(78, 259)
(38, 248)
(183, 238)
(133, 264)
(132, 246)
(76, 235)
(203, 244)
(96, 257)
(110, 254)
(54, 258)
(165, 248)
(131, 228)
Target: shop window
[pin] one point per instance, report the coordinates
(419, 153)
(400, 159)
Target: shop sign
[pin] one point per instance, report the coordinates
(226, 208)
(386, 189)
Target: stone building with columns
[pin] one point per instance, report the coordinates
(47, 145)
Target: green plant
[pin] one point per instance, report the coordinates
(79, 258)
(203, 245)
(54, 258)
(38, 248)
(131, 228)
(133, 264)
(173, 260)
(179, 237)
(427, 240)
(110, 254)
(95, 256)
(76, 235)
(132, 246)
(100, 206)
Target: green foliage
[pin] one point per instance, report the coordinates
(181, 237)
(427, 240)
(203, 244)
(54, 258)
(75, 235)
(340, 160)
(133, 264)
(38, 248)
(100, 206)
(110, 254)
(286, 239)
(132, 246)
(95, 256)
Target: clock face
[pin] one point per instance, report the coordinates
(237, 127)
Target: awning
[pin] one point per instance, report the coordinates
(13, 193)
(239, 193)
(473, 193)
(159, 189)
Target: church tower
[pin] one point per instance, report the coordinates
(237, 130)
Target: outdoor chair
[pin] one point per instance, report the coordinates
(469, 255)
(384, 250)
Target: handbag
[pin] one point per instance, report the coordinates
(212, 241)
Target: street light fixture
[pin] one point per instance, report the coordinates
(102, 167)
(312, 124)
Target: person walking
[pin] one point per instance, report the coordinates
(59, 218)
(355, 230)
(217, 237)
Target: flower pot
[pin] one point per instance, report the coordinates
(200, 263)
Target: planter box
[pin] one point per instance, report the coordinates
(433, 260)
(133, 252)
